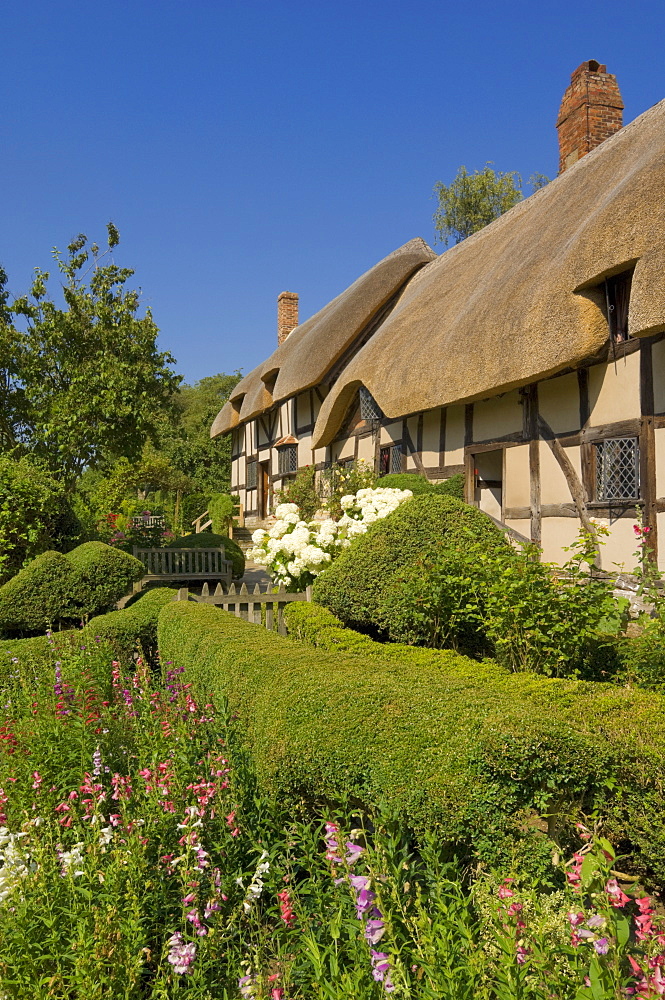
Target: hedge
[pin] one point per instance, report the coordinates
(463, 748)
(121, 629)
(208, 540)
(355, 586)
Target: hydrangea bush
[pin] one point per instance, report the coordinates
(295, 551)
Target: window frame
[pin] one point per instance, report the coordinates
(601, 476)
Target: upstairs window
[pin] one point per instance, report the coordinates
(369, 408)
(618, 469)
(617, 297)
(287, 459)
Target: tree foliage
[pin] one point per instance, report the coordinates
(473, 200)
(83, 384)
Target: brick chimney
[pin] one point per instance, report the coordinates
(590, 112)
(287, 315)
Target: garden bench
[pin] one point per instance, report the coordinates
(188, 565)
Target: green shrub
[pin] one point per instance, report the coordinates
(121, 629)
(220, 510)
(642, 655)
(406, 481)
(467, 750)
(42, 594)
(453, 487)
(104, 575)
(208, 540)
(34, 513)
(302, 491)
(355, 585)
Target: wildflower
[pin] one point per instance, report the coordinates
(286, 908)
(375, 927)
(521, 955)
(602, 946)
(181, 956)
(381, 969)
(505, 892)
(246, 985)
(353, 853)
(575, 919)
(618, 898)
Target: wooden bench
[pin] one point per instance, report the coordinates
(188, 565)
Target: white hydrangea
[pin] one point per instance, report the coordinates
(295, 552)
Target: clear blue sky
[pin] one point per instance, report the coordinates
(244, 147)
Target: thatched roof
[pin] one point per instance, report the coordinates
(313, 347)
(513, 304)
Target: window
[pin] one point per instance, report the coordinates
(250, 474)
(617, 296)
(287, 459)
(618, 469)
(390, 459)
(369, 408)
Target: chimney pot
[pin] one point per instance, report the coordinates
(287, 315)
(591, 110)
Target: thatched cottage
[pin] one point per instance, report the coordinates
(530, 357)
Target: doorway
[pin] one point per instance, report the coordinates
(488, 482)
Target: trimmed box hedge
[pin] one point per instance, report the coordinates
(461, 747)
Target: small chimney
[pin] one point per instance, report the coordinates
(590, 112)
(287, 315)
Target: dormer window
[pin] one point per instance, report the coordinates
(617, 297)
(369, 408)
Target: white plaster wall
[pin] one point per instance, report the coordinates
(391, 432)
(494, 418)
(431, 432)
(454, 435)
(517, 485)
(304, 410)
(553, 484)
(615, 394)
(660, 523)
(559, 403)
(366, 450)
(344, 449)
(304, 450)
(617, 552)
(555, 533)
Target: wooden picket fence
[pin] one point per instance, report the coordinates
(259, 607)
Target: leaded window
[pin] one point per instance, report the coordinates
(396, 458)
(369, 408)
(287, 459)
(250, 475)
(618, 469)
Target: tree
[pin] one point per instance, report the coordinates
(85, 384)
(474, 200)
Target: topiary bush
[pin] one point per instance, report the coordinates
(356, 585)
(220, 510)
(103, 576)
(41, 595)
(208, 540)
(452, 487)
(56, 590)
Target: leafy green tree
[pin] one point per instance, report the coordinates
(474, 200)
(84, 384)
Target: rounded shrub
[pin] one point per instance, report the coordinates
(209, 540)
(40, 595)
(356, 585)
(103, 576)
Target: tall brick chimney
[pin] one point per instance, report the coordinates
(287, 315)
(590, 112)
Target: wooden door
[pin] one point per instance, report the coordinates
(264, 491)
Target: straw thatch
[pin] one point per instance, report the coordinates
(517, 302)
(313, 347)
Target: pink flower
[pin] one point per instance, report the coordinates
(505, 892)
(618, 898)
(575, 919)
